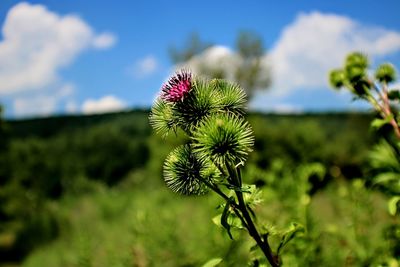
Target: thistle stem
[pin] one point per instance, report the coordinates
(234, 205)
(273, 259)
(263, 244)
(388, 111)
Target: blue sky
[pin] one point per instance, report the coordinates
(90, 56)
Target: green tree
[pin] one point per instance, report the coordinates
(246, 68)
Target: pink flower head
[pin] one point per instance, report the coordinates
(177, 87)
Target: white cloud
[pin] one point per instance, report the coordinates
(37, 43)
(71, 106)
(145, 66)
(315, 43)
(38, 105)
(42, 104)
(104, 40)
(107, 103)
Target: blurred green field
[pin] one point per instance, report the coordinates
(88, 191)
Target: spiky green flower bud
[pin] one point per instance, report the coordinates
(185, 172)
(224, 138)
(355, 73)
(231, 97)
(356, 66)
(357, 59)
(385, 73)
(198, 104)
(337, 78)
(162, 118)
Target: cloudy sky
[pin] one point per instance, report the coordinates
(60, 57)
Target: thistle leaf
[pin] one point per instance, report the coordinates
(225, 216)
(293, 230)
(212, 262)
(392, 205)
(379, 123)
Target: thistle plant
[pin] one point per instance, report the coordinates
(355, 77)
(211, 113)
(384, 158)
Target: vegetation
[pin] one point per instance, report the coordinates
(57, 211)
(88, 190)
(244, 66)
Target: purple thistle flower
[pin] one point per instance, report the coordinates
(177, 87)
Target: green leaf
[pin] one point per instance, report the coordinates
(392, 205)
(212, 262)
(293, 230)
(378, 123)
(386, 177)
(225, 215)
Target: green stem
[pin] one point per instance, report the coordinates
(234, 205)
(388, 111)
(263, 244)
(251, 228)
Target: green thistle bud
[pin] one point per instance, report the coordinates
(357, 59)
(198, 104)
(337, 78)
(355, 73)
(385, 73)
(162, 118)
(356, 66)
(231, 97)
(185, 172)
(224, 137)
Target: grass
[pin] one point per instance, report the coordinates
(154, 227)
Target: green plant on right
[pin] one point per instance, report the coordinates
(384, 158)
(355, 77)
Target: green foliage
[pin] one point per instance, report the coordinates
(384, 158)
(354, 76)
(212, 262)
(393, 204)
(35, 171)
(250, 74)
(93, 223)
(385, 168)
(249, 71)
(193, 47)
(218, 136)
